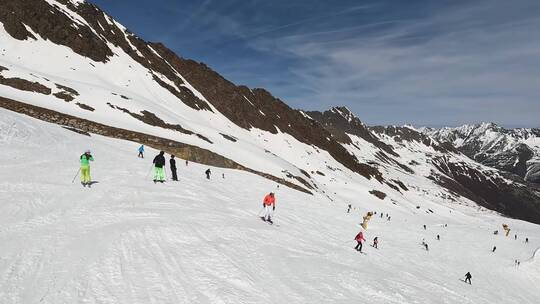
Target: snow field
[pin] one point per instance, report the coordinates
(127, 240)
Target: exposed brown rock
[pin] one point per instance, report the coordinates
(25, 85)
(85, 107)
(67, 89)
(378, 194)
(65, 96)
(151, 119)
(229, 137)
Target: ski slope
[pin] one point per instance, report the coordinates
(127, 240)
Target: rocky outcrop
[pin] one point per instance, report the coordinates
(340, 121)
(513, 199)
(25, 85)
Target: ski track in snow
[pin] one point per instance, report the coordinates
(127, 240)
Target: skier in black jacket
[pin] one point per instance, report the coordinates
(159, 164)
(172, 162)
(468, 277)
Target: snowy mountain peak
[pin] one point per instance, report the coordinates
(344, 112)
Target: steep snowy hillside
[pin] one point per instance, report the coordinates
(127, 240)
(513, 150)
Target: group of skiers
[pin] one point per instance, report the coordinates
(268, 204)
(158, 167)
(269, 201)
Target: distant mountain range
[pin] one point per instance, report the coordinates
(513, 150)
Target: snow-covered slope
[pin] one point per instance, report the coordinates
(127, 240)
(512, 150)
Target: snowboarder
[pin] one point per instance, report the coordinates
(172, 162)
(438, 238)
(359, 238)
(468, 277)
(85, 160)
(375, 242)
(269, 205)
(141, 152)
(208, 172)
(494, 248)
(159, 163)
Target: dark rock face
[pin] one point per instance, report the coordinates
(339, 121)
(378, 194)
(151, 119)
(515, 200)
(25, 85)
(182, 150)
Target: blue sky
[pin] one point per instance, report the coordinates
(391, 62)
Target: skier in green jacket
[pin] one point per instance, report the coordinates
(86, 158)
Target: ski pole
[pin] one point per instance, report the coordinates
(152, 166)
(72, 181)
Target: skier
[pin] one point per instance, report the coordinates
(172, 162)
(468, 277)
(438, 238)
(266, 213)
(208, 172)
(375, 242)
(424, 227)
(141, 151)
(187, 162)
(526, 240)
(85, 159)
(389, 218)
(515, 236)
(426, 246)
(494, 248)
(359, 238)
(382, 214)
(223, 175)
(159, 163)
(496, 232)
(349, 208)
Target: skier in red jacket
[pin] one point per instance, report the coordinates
(269, 205)
(359, 238)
